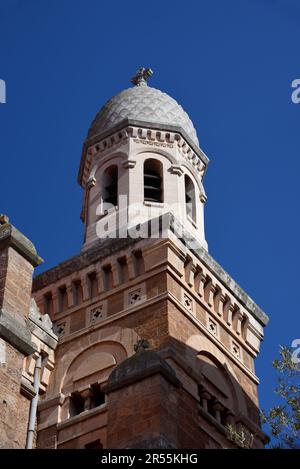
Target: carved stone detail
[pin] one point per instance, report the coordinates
(97, 314)
(188, 302)
(135, 296)
(236, 350)
(60, 329)
(212, 327)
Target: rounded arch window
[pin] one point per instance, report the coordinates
(153, 180)
(110, 185)
(190, 198)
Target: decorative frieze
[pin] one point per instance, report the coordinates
(149, 138)
(155, 144)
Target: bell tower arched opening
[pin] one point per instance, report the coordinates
(153, 180)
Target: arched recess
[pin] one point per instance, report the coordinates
(95, 193)
(67, 353)
(159, 153)
(195, 176)
(217, 380)
(94, 364)
(211, 362)
(83, 381)
(153, 180)
(190, 197)
(104, 161)
(109, 185)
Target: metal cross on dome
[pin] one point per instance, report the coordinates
(141, 76)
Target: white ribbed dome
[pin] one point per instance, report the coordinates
(143, 103)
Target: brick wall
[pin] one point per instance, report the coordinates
(14, 407)
(142, 413)
(15, 283)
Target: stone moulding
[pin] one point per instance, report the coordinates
(18, 335)
(117, 135)
(15, 239)
(27, 388)
(84, 259)
(41, 326)
(51, 402)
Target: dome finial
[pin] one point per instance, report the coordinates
(141, 76)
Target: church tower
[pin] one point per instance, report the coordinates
(156, 342)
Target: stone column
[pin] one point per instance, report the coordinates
(202, 281)
(230, 311)
(70, 295)
(115, 274)
(220, 303)
(191, 269)
(85, 289)
(130, 264)
(55, 302)
(211, 293)
(88, 398)
(205, 397)
(99, 276)
(239, 320)
(217, 407)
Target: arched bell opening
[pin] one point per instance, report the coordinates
(153, 181)
(190, 198)
(110, 185)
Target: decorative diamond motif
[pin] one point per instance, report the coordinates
(212, 327)
(188, 302)
(143, 103)
(97, 313)
(59, 329)
(135, 296)
(236, 350)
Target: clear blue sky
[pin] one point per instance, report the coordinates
(229, 63)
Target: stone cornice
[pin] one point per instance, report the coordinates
(117, 133)
(10, 236)
(17, 334)
(97, 251)
(40, 326)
